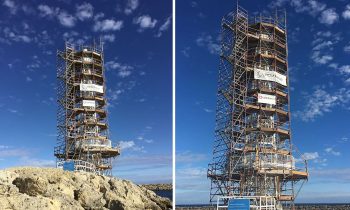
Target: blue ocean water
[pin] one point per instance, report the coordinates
(165, 193)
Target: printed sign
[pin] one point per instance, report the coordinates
(239, 204)
(264, 36)
(89, 103)
(270, 76)
(91, 87)
(88, 60)
(266, 99)
(68, 166)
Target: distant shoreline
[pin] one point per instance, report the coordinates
(157, 187)
(299, 206)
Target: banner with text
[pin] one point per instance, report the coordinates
(91, 87)
(270, 76)
(89, 103)
(266, 99)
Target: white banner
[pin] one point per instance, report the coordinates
(280, 78)
(266, 99)
(89, 103)
(270, 76)
(91, 87)
(88, 60)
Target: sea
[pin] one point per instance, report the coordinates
(164, 193)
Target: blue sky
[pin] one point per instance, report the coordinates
(137, 36)
(319, 48)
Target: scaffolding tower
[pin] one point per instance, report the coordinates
(253, 154)
(83, 139)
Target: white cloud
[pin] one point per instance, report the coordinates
(11, 5)
(323, 44)
(329, 16)
(28, 10)
(207, 41)
(70, 34)
(208, 110)
(84, 11)
(311, 7)
(330, 150)
(333, 65)
(345, 69)
(130, 145)
(45, 10)
(145, 168)
(99, 16)
(23, 38)
(124, 70)
(346, 13)
(24, 156)
(342, 174)
(122, 87)
(164, 27)
(126, 144)
(14, 111)
(194, 172)
(43, 39)
(310, 155)
(347, 81)
(108, 37)
(185, 51)
(7, 151)
(108, 25)
(188, 156)
(321, 59)
(324, 33)
(16, 37)
(145, 22)
(149, 141)
(28, 79)
(66, 19)
(131, 6)
(27, 161)
(344, 139)
(75, 37)
(114, 94)
(194, 4)
(124, 73)
(4, 147)
(35, 64)
(278, 3)
(320, 102)
(347, 48)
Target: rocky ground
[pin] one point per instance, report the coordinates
(53, 189)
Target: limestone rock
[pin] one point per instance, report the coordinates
(53, 189)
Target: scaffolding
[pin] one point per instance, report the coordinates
(253, 153)
(82, 126)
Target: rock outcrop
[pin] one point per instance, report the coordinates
(154, 187)
(49, 188)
